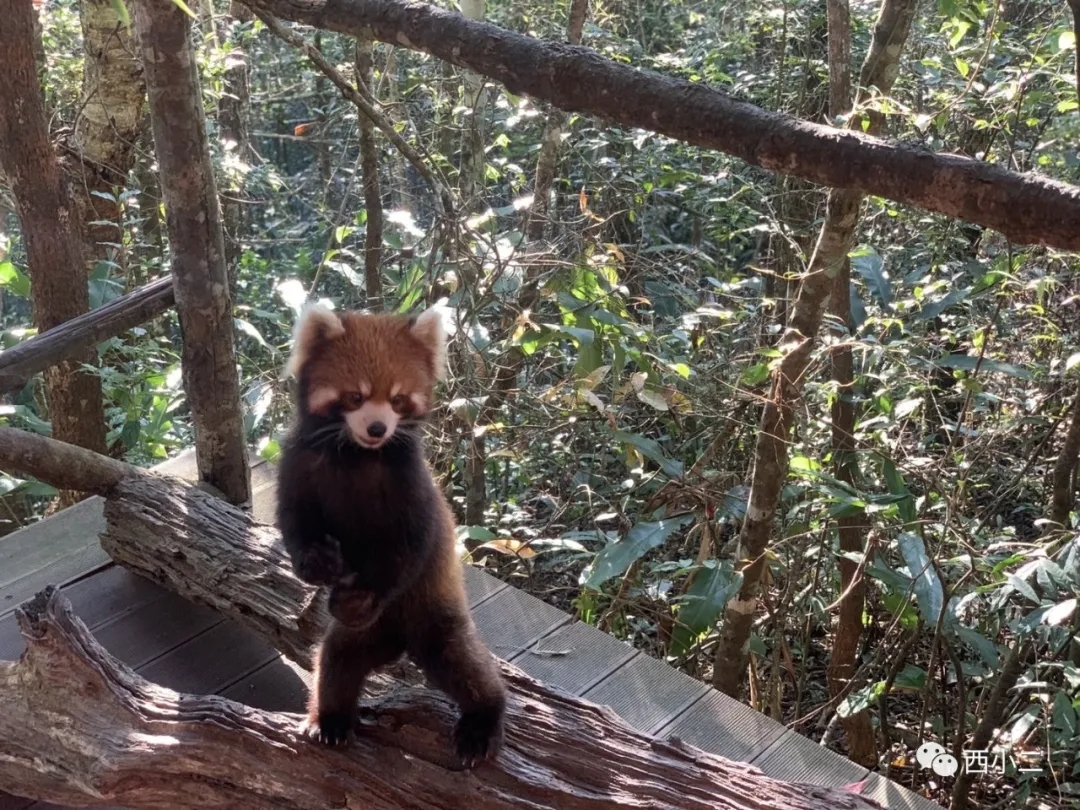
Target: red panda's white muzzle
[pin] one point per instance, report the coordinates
(372, 424)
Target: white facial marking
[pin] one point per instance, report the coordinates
(361, 421)
(322, 397)
(419, 402)
(395, 390)
(365, 388)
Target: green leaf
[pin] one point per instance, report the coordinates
(249, 329)
(652, 451)
(868, 263)
(755, 374)
(180, 4)
(1023, 587)
(616, 558)
(1072, 362)
(861, 699)
(12, 278)
(713, 586)
(981, 644)
(906, 407)
(931, 311)
(966, 362)
(122, 12)
(928, 588)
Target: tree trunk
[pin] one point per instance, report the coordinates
(233, 111)
(107, 129)
(549, 144)
(369, 168)
(1064, 474)
(474, 134)
(851, 530)
(49, 228)
(208, 752)
(193, 219)
(771, 453)
(1026, 208)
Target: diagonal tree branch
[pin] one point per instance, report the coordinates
(1029, 209)
(365, 103)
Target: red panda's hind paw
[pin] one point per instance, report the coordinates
(331, 728)
(478, 736)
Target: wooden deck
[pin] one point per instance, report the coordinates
(190, 648)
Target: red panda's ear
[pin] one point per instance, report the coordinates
(316, 324)
(428, 327)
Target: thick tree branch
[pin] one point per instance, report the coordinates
(19, 363)
(58, 463)
(1027, 208)
(208, 752)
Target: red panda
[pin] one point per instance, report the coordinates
(360, 513)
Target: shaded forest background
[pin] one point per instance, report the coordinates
(620, 302)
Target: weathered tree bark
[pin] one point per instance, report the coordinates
(193, 219)
(1027, 208)
(209, 752)
(851, 530)
(50, 228)
(771, 451)
(562, 751)
(107, 129)
(1063, 478)
(19, 363)
(369, 168)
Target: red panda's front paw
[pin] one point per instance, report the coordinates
(479, 736)
(353, 607)
(328, 728)
(320, 564)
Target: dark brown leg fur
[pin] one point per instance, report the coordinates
(452, 656)
(346, 658)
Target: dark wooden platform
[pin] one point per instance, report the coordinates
(190, 648)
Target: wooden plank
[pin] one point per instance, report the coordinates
(143, 636)
(48, 541)
(90, 557)
(647, 693)
(279, 686)
(481, 586)
(511, 621)
(895, 797)
(211, 660)
(794, 758)
(724, 726)
(575, 657)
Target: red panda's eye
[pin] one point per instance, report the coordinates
(351, 400)
(399, 402)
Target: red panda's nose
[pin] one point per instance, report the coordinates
(376, 430)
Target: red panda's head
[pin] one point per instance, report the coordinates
(375, 372)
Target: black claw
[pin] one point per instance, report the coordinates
(478, 737)
(330, 729)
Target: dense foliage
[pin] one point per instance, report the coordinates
(609, 474)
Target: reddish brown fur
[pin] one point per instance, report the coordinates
(371, 524)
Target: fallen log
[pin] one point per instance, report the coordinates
(1027, 208)
(77, 727)
(19, 363)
